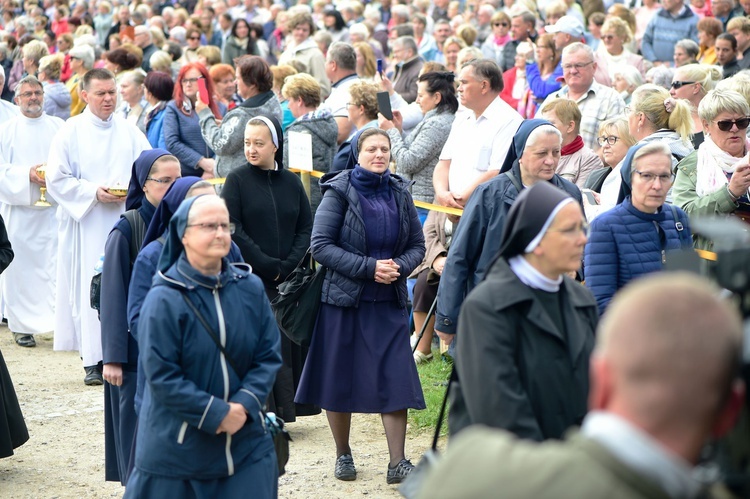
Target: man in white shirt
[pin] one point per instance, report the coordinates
(341, 69)
(479, 139)
(29, 282)
(92, 153)
(661, 388)
(596, 102)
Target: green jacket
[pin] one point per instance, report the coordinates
(484, 463)
(684, 196)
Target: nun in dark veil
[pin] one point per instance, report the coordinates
(273, 222)
(146, 264)
(533, 157)
(152, 174)
(201, 431)
(527, 330)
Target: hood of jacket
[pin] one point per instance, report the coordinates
(320, 125)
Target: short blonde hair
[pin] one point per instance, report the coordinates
(566, 111)
(620, 28)
(211, 53)
(280, 73)
(467, 33)
(620, 126)
(366, 95)
(51, 65)
(722, 100)
(35, 50)
(740, 83)
(708, 76)
(304, 86)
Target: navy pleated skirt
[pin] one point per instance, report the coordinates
(360, 361)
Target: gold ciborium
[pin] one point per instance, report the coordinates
(118, 190)
(42, 190)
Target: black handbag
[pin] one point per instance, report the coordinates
(414, 483)
(271, 422)
(297, 304)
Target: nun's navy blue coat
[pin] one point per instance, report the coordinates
(119, 347)
(189, 383)
(144, 271)
(477, 240)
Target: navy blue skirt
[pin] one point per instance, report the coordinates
(360, 361)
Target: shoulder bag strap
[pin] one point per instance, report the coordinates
(210, 331)
(514, 180)
(677, 224)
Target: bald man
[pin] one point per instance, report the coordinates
(663, 382)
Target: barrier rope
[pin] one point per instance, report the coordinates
(706, 255)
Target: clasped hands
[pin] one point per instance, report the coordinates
(234, 420)
(386, 271)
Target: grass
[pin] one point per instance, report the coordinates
(434, 378)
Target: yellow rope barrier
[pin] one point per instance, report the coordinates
(706, 255)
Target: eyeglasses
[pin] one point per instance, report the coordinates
(26, 95)
(578, 66)
(191, 81)
(352, 104)
(608, 37)
(194, 38)
(167, 180)
(213, 228)
(649, 178)
(572, 232)
(680, 84)
(726, 125)
(504, 25)
(607, 139)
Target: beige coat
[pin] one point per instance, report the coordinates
(312, 59)
(576, 167)
(483, 463)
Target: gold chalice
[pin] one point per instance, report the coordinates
(41, 169)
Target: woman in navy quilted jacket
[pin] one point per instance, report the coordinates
(367, 234)
(636, 236)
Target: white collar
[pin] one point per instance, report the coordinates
(98, 121)
(637, 450)
(531, 277)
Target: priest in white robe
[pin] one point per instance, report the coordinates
(92, 153)
(29, 282)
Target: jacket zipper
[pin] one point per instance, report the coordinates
(224, 373)
(183, 430)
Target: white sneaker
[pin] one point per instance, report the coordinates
(413, 340)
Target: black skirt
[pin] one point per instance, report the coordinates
(13, 432)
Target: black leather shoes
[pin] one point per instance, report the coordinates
(93, 376)
(24, 340)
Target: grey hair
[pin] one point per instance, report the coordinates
(27, 80)
(85, 53)
(739, 83)
(343, 55)
(630, 74)
(691, 48)
(650, 149)
(661, 75)
(408, 43)
(721, 100)
(540, 132)
(578, 47)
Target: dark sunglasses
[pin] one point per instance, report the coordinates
(726, 125)
(194, 38)
(504, 25)
(680, 84)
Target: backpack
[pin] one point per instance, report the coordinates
(138, 232)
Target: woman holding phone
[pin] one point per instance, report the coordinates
(714, 180)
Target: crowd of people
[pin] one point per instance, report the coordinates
(564, 147)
